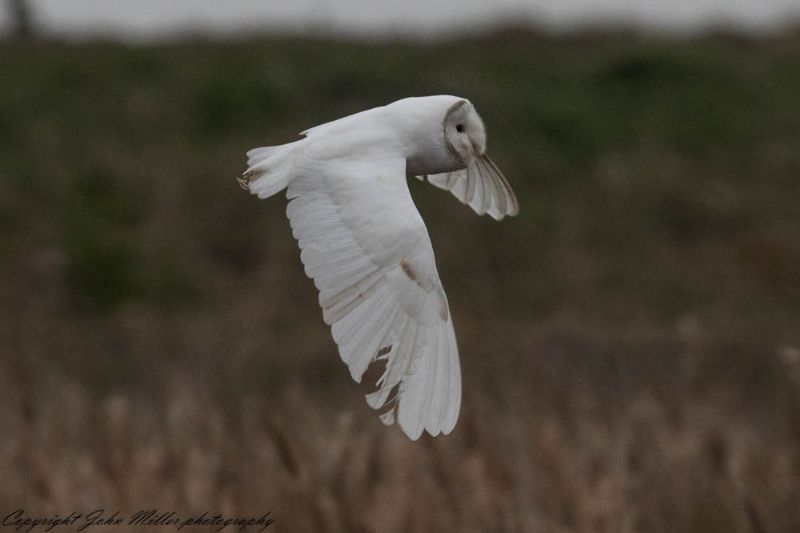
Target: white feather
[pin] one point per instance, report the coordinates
(365, 245)
(482, 186)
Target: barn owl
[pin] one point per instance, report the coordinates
(366, 247)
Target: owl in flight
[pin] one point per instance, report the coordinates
(366, 247)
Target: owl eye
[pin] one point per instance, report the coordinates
(460, 128)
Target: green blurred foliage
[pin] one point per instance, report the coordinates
(621, 148)
(96, 221)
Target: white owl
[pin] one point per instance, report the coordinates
(366, 247)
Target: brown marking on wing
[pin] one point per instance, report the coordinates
(406, 266)
(444, 312)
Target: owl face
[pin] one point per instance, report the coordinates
(465, 136)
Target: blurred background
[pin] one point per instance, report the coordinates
(630, 343)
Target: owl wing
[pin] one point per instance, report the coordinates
(482, 186)
(366, 247)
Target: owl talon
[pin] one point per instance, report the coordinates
(244, 181)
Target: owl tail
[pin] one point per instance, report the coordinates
(269, 169)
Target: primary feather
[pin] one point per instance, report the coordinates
(366, 247)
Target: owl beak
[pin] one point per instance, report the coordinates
(476, 148)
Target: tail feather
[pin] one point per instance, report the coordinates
(269, 170)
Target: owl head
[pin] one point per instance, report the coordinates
(464, 134)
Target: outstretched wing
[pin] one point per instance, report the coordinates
(482, 186)
(367, 249)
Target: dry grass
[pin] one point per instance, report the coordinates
(545, 452)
